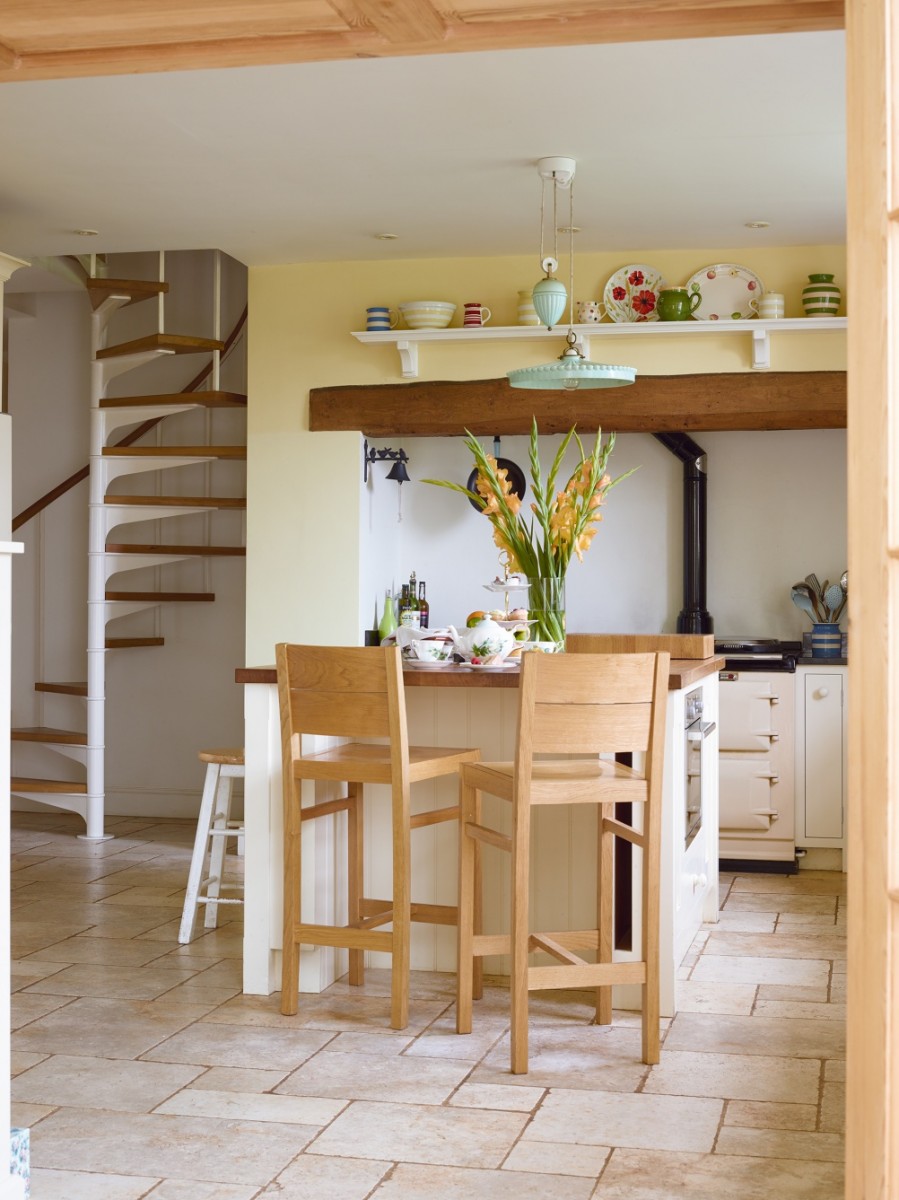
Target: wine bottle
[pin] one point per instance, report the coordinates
(408, 612)
(387, 624)
(413, 598)
(424, 609)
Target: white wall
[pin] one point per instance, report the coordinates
(166, 703)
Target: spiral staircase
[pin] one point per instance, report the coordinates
(115, 503)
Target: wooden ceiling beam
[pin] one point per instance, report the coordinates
(692, 403)
(373, 29)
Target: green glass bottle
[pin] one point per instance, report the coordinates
(387, 623)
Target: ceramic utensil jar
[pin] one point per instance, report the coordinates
(677, 304)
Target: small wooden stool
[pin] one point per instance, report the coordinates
(214, 825)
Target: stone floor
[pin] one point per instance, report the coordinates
(142, 1072)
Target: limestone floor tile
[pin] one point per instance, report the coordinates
(370, 1077)
(788, 922)
(380, 1044)
(213, 1046)
(25, 1008)
(833, 1107)
(193, 992)
(422, 1134)
(195, 1189)
(808, 883)
(454, 1183)
(238, 1079)
(799, 944)
(557, 1158)
(122, 983)
(715, 997)
(754, 1114)
(623, 1119)
(798, 1010)
(252, 1106)
(781, 902)
(781, 1143)
(92, 951)
(53, 889)
(835, 1070)
(224, 942)
(24, 1116)
(84, 1185)
(110, 1083)
(728, 968)
(325, 1011)
(648, 1175)
(105, 1028)
(838, 988)
(744, 922)
(496, 1095)
(440, 1039)
(315, 1177)
(580, 1057)
(756, 1035)
(20, 1061)
(246, 1152)
(149, 897)
(797, 993)
(72, 870)
(735, 1077)
(24, 971)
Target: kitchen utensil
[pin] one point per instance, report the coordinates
(802, 600)
(729, 292)
(844, 581)
(834, 598)
(814, 583)
(632, 292)
(514, 474)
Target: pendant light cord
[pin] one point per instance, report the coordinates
(542, 217)
(571, 253)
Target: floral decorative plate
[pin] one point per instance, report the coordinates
(631, 293)
(729, 292)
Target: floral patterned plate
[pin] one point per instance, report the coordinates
(729, 292)
(631, 293)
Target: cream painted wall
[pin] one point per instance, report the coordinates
(322, 546)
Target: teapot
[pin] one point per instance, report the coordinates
(483, 640)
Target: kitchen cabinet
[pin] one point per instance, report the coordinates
(821, 756)
(407, 341)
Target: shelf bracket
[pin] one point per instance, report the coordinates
(761, 350)
(408, 358)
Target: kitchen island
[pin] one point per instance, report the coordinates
(462, 707)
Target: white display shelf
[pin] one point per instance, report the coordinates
(407, 341)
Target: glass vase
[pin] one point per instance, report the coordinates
(546, 609)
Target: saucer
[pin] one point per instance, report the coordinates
(500, 666)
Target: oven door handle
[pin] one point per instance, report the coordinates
(698, 735)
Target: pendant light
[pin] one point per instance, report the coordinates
(571, 370)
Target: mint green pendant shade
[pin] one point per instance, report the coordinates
(550, 297)
(572, 372)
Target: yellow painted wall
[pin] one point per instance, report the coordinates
(304, 490)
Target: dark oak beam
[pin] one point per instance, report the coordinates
(756, 401)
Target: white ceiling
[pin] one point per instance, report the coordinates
(678, 145)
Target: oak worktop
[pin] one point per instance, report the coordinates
(683, 673)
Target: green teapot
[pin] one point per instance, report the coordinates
(677, 304)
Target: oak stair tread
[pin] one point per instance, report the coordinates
(63, 689)
(179, 343)
(137, 289)
(46, 733)
(20, 783)
(207, 399)
(204, 597)
(181, 501)
(126, 643)
(175, 451)
(136, 548)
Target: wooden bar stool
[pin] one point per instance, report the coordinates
(355, 693)
(214, 826)
(581, 705)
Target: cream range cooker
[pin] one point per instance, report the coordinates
(757, 817)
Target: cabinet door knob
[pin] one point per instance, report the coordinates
(822, 692)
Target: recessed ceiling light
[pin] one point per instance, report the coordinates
(387, 237)
(569, 229)
(758, 224)
(86, 232)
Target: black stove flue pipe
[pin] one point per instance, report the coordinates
(694, 616)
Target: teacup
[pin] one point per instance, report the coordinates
(432, 651)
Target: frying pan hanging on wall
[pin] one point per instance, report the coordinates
(515, 475)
